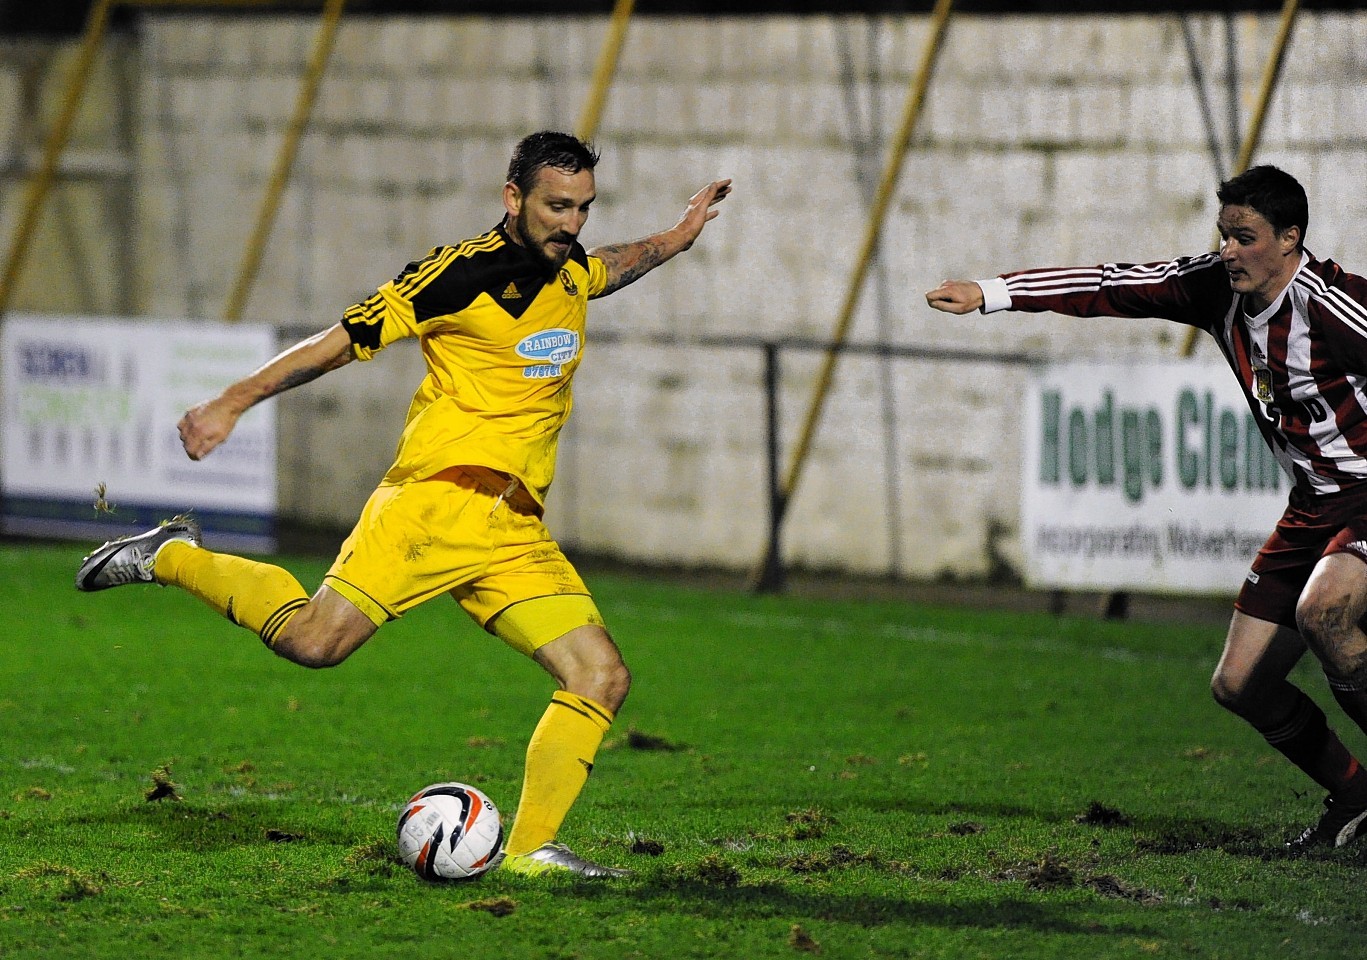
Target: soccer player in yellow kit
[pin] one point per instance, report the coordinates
(500, 320)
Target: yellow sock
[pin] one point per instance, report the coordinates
(559, 759)
(255, 595)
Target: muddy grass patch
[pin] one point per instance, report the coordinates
(711, 870)
(839, 857)
(496, 906)
(162, 786)
(1098, 814)
(1053, 872)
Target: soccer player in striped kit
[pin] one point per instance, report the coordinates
(1294, 331)
(500, 319)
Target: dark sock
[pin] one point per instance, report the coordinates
(1351, 698)
(1304, 738)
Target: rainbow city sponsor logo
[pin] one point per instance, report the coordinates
(550, 350)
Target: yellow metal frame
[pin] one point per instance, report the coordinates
(97, 22)
(96, 26)
(892, 172)
(606, 69)
(284, 163)
(1271, 74)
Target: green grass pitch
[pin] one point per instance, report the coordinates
(790, 777)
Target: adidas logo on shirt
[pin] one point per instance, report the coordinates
(510, 292)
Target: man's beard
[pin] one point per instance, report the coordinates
(537, 251)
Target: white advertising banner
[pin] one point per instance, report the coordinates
(1144, 476)
(90, 406)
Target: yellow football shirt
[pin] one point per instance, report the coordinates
(502, 340)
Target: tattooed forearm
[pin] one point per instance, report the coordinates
(296, 378)
(629, 262)
(302, 363)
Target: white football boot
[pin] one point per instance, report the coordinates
(130, 559)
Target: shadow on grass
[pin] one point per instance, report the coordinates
(956, 808)
(773, 901)
(1164, 835)
(191, 826)
(1177, 836)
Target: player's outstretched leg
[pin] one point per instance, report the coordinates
(259, 596)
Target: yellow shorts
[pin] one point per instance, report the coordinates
(454, 533)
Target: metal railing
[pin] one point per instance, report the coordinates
(770, 576)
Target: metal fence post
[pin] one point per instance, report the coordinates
(770, 578)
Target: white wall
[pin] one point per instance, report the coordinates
(1045, 140)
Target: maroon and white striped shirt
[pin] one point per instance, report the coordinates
(1302, 363)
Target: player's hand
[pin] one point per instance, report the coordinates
(700, 210)
(205, 426)
(956, 296)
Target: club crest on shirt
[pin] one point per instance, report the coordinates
(550, 350)
(1262, 384)
(568, 283)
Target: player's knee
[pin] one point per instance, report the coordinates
(323, 634)
(586, 662)
(312, 647)
(606, 681)
(1231, 692)
(616, 684)
(1323, 621)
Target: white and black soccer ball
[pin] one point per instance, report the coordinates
(450, 831)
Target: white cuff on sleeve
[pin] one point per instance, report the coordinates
(995, 295)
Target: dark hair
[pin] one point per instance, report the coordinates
(1274, 193)
(548, 148)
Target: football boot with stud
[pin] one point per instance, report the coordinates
(1343, 822)
(131, 559)
(558, 858)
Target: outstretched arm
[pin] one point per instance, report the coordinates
(206, 425)
(627, 262)
(1190, 290)
(956, 296)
